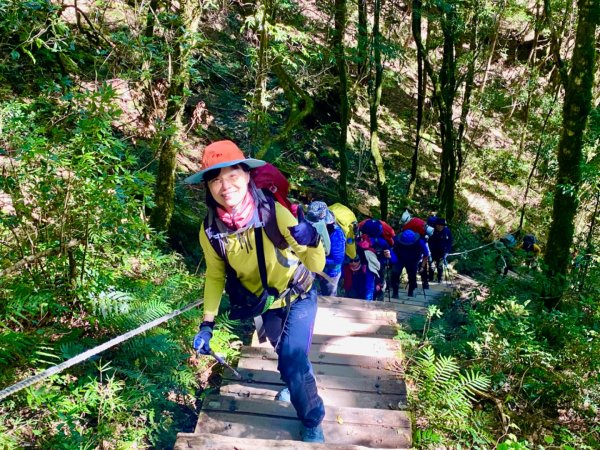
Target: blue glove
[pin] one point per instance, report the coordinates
(202, 339)
(304, 233)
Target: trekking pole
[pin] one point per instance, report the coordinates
(221, 361)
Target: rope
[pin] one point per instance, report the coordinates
(94, 351)
(472, 250)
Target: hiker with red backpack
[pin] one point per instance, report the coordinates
(328, 280)
(420, 227)
(264, 258)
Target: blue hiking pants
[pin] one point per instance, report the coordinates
(293, 363)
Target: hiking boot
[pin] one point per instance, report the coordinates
(284, 395)
(314, 434)
(411, 293)
(439, 280)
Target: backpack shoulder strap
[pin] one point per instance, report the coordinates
(212, 233)
(267, 214)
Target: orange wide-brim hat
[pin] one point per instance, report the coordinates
(221, 154)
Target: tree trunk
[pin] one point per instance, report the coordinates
(151, 18)
(301, 105)
(363, 40)
(493, 45)
(340, 59)
(260, 87)
(416, 31)
(466, 103)
(576, 108)
(447, 184)
(538, 154)
(375, 100)
(184, 28)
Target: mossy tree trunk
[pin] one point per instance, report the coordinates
(576, 109)
(300, 101)
(447, 93)
(184, 28)
(259, 100)
(340, 59)
(416, 31)
(474, 51)
(375, 86)
(363, 39)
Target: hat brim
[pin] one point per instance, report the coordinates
(198, 177)
(328, 219)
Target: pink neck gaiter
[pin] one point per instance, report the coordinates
(239, 216)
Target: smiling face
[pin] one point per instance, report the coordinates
(229, 187)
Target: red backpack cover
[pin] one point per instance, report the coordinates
(270, 178)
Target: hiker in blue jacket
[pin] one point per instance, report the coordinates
(440, 244)
(320, 215)
(410, 248)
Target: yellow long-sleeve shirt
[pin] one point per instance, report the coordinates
(280, 264)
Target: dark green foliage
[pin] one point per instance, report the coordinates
(80, 266)
(542, 365)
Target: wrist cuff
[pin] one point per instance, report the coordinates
(207, 324)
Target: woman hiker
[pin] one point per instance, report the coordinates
(272, 282)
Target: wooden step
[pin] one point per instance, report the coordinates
(209, 441)
(352, 303)
(358, 315)
(324, 363)
(342, 326)
(267, 419)
(335, 390)
(347, 345)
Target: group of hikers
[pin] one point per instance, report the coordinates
(369, 256)
(272, 259)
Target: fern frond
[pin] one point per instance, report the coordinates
(445, 368)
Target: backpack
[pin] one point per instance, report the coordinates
(508, 240)
(346, 220)
(388, 232)
(269, 178)
(529, 241)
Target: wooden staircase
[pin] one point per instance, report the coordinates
(354, 359)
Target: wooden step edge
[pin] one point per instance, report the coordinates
(210, 441)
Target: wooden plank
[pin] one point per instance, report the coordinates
(279, 429)
(253, 418)
(375, 417)
(330, 396)
(381, 369)
(347, 345)
(360, 384)
(317, 357)
(340, 326)
(357, 315)
(352, 303)
(209, 441)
